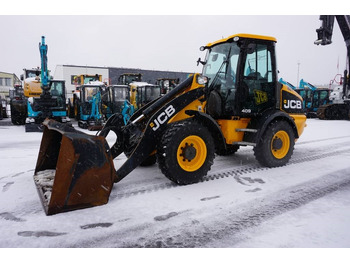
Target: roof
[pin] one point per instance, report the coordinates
(268, 38)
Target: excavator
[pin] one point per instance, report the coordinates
(85, 105)
(340, 97)
(314, 97)
(236, 101)
(50, 102)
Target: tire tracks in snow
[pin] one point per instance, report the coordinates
(238, 172)
(234, 221)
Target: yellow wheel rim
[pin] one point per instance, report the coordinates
(191, 153)
(280, 144)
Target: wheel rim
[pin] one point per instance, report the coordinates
(280, 144)
(191, 153)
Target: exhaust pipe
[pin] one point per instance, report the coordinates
(74, 170)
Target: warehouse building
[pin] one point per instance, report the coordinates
(110, 75)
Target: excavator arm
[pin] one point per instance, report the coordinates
(324, 37)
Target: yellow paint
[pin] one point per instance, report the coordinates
(195, 105)
(32, 88)
(300, 122)
(228, 128)
(268, 38)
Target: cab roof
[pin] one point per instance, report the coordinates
(268, 38)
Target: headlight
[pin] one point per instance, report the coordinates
(202, 80)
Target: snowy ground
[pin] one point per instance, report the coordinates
(240, 204)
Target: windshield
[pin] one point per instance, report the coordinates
(152, 92)
(89, 92)
(31, 73)
(120, 93)
(215, 62)
(56, 88)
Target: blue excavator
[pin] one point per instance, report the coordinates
(52, 101)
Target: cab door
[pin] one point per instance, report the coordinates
(257, 78)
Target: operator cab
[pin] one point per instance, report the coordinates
(242, 76)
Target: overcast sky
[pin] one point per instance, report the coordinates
(169, 42)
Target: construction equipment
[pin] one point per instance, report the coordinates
(314, 97)
(127, 78)
(167, 84)
(87, 105)
(340, 97)
(51, 102)
(19, 95)
(116, 100)
(236, 101)
(142, 93)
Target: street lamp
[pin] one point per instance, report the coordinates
(298, 75)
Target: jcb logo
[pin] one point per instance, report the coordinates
(292, 104)
(163, 117)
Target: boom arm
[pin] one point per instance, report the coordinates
(304, 85)
(44, 71)
(324, 37)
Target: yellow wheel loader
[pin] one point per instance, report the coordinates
(236, 101)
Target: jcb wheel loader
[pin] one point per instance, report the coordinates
(236, 101)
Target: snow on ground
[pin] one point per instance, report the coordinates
(240, 204)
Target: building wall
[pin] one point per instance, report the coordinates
(110, 75)
(149, 76)
(65, 72)
(7, 81)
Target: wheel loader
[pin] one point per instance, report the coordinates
(236, 101)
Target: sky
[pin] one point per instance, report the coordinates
(148, 40)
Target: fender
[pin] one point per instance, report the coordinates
(262, 123)
(212, 125)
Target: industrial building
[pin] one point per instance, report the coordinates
(110, 75)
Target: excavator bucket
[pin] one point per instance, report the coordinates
(74, 170)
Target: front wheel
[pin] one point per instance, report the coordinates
(276, 146)
(186, 152)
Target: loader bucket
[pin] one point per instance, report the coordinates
(74, 170)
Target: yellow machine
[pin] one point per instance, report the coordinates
(236, 101)
(31, 82)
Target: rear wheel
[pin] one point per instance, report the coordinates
(276, 146)
(186, 152)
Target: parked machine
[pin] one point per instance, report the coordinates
(87, 105)
(167, 84)
(142, 93)
(19, 95)
(116, 99)
(340, 97)
(51, 102)
(127, 78)
(236, 101)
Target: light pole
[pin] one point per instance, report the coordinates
(298, 74)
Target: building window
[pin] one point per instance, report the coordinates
(7, 81)
(1, 82)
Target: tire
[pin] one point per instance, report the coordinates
(276, 146)
(17, 117)
(186, 152)
(230, 150)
